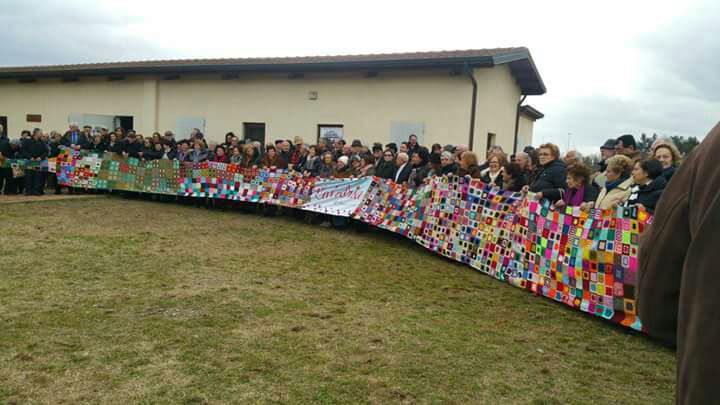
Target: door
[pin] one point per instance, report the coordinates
(491, 139)
(185, 125)
(254, 131)
(400, 131)
(124, 122)
(3, 123)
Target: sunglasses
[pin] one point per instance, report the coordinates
(388, 154)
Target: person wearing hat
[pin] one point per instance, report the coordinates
(131, 147)
(377, 153)
(356, 147)
(75, 139)
(88, 132)
(341, 168)
(607, 150)
(298, 153)
(355, 165)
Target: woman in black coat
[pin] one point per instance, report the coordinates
(447, 164)
(420, 168)
(386, 168)
(513, 177)
(549, 182)
(649, 185)
(669, 157)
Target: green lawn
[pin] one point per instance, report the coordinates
(115, 300)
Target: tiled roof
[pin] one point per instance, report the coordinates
(380, 57)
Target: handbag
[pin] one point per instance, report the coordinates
(17, 170)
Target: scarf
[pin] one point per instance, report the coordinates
(614, 184)
(574, 196)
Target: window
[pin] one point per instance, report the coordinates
(254, 131)
(328, 133)
(491, 140)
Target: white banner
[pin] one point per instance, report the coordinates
(338, 197)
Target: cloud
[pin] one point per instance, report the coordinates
(642, 66)
(674, 88)
(39, 33)
(686, 51)
(593, 119)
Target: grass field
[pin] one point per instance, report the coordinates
(114, 301)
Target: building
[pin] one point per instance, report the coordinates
(469, 97)
(526, 124)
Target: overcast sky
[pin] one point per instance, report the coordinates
(610, 67)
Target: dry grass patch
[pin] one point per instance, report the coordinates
(116, 300)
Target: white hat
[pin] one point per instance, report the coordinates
(343, 159)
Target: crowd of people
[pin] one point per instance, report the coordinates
(623, 177)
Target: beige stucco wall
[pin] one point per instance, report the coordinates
(365, 106)
(498, 96)
(55, 101)
(525, 131)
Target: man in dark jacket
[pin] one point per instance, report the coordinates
(34, 150)
(402, 173)
(626, 145)
(131, 147)
(75, 139)
(6, 153)
(678, 282)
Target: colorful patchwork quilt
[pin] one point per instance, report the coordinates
(586, 260)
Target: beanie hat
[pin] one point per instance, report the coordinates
(627, 140)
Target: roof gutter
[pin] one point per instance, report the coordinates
(517, 122)
(483, 61)
(473, 105)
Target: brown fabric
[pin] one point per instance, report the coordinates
(679, 273)
(473, 171)
(278, 162)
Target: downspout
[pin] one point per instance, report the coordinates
(473, 104)
(517, 122)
